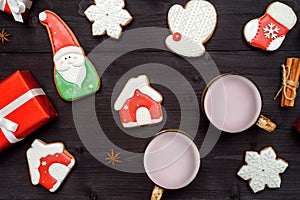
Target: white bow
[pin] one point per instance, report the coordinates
(7, 126)
(17, 7)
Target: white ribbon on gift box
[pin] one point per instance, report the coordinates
(7, 126)
(17, 7)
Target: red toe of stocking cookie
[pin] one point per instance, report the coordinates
(49, 164)
(269, 31)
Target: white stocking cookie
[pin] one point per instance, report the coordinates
(262, 169)
(269, 31)
(108, 16)
(49, 164)
(191, 27)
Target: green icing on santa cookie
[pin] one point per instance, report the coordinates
(71, 91)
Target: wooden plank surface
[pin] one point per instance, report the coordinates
(30, 49)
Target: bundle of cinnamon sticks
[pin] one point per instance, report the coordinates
(290, 82)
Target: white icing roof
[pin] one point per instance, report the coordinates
(38, 150)
(140, 83)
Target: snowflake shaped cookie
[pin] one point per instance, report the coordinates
(271, 31)
(262, 169)
(108, 16)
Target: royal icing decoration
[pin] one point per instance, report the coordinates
(17, 8)
(138, 103)
(49, 164)
(269, 31)
(74, 74)
(191, 27)
(108, 16)
(262, 169)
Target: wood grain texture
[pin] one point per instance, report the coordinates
(30, 49)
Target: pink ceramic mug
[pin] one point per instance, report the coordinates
(233, 103)
(171, 161)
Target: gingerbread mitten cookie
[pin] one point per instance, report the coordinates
(269, 31)
(191, 27)
(49, 164)
(74, 74)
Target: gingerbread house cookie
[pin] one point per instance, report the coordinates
(139, 104)
(49, 164)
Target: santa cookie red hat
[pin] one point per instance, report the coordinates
(62, 39)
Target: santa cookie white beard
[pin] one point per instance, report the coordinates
(72, 68)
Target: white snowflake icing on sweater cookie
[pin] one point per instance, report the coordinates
(108, 16)
(262, 169)
(191, 27)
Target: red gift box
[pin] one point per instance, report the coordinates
(24, 107)
(19, 9)
(296, 125)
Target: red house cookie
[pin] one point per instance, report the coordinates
(138, 103)
(49, 164)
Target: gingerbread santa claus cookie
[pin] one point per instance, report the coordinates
(191, 27)
(74, 74)
(49, 164)
(138, 103)
(269, 31)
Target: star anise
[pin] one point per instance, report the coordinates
(4, 36)
(113, 158)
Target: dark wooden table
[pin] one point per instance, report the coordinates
(30, 49)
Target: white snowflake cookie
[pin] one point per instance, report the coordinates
(191, 26)
(269, 31)
(108, 16)
(262, 169)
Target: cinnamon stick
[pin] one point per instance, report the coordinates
(288, 95)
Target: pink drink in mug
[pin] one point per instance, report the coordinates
(171, 161)
(233, 103)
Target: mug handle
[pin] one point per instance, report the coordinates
(157, 193)
(266, 124)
